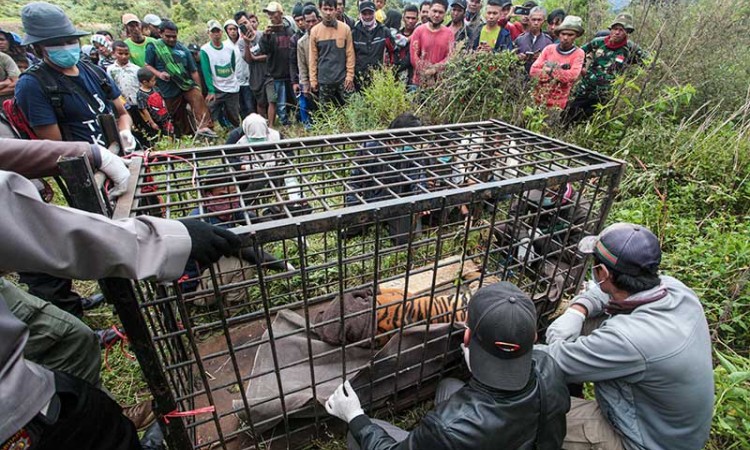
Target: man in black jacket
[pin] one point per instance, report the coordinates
(373, 44)
(516, 398)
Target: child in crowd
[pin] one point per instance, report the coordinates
(125, 74)
(151, 106)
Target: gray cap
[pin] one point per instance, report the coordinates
(152, 19)
(44, 22)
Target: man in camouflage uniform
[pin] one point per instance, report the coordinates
(606, 57)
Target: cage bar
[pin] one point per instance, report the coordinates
(360, 254)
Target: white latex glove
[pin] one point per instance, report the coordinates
(128, 141)
(116, 170)
(567, 327)
(465, 349)
(344, 403)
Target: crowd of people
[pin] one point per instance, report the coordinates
(317, 55)
(639, 336)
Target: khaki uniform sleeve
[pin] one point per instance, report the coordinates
(65, 242)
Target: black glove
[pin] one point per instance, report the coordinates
(249, 255)
(209, 242)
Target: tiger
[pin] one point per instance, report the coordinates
(391, 303)
(393, 312)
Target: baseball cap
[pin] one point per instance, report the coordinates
(273, 7)
(502, 319)
(129, 17)
(193, 48)
(152, 19)
(460, 3)
(624, 247)
(213, 25)
(366, 6)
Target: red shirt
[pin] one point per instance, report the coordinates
(554, 86)
(429, 47)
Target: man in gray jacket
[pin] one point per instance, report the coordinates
(650, 360)
(44, 409)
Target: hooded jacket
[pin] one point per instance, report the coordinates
(371, 47)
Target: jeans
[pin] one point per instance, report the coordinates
(247, 102)
(281, 87)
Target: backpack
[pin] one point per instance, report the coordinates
(50, 81)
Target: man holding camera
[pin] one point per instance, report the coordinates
(276, 45)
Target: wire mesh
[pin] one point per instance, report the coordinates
(407, 222)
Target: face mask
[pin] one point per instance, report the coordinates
(65, 56)
(593, 277)
(547, 202)
(406, 148)
(368, 24)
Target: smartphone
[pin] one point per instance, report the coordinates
(521, 11)
(243, 29)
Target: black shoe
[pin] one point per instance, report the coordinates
(93, 301)
(153, 438)
(108, 337)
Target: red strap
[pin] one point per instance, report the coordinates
(192, 412)
(123, 339)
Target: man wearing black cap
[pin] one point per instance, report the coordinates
(458, 26)
(373, 44)
(650, 360)
(515, 399)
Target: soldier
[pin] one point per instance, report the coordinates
(606, 58)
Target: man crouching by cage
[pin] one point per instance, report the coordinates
(383, 170)
(516, 397)
(649, 358)
(222, 208)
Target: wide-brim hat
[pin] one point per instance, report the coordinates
(571, 23)
(43, 22)
(502, 319)
(625, 20)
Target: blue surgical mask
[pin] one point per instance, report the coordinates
(65, 56)
(547, 202)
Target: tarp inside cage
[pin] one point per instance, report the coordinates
(419, 218)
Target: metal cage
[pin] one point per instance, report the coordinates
(406, 223)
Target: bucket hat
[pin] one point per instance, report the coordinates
(571, 23)
(43, 22)
(625, 20)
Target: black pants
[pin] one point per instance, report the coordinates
(87, 419)
(58, 291)
(581, 109)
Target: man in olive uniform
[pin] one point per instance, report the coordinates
(606, 57)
